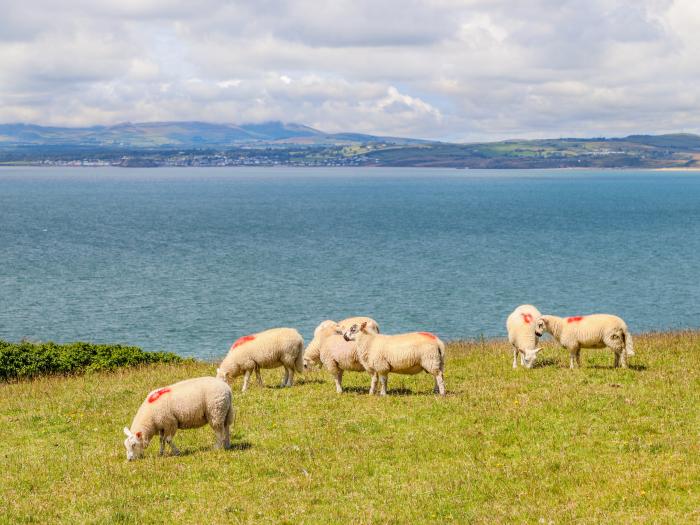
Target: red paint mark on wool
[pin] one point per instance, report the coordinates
(574, 319)
(527, 318)
(242, 340)
(156, 395)
(428, 334)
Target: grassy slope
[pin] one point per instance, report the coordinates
(548, 444)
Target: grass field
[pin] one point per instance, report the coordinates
(546, 445)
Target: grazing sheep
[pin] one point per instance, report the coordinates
(313, 350)
(330, 348)
(521, 334)
(269, 349)
(188, 404)
(312, 354)
(588, 331)
(401, 354)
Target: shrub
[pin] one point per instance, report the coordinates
(23, 360)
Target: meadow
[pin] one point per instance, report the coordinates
(547, 445)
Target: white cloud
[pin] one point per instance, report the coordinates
(447, 69)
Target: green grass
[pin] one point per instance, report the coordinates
(547, 445)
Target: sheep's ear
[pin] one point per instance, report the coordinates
(363, 326)
(127, 432)
(538, 349)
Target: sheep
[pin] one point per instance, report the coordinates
(588, 331)
(268, 349)
(312, 354)
(330, 348)
(521, 334)
(188, 404)
(402, 354)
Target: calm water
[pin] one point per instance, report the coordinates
(189, 259)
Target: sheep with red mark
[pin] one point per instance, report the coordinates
(521, 334)
(330, 349)
(277, 347)
(588, 331)
(188, 404)
(409, 353)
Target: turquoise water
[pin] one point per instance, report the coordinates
(190, 259)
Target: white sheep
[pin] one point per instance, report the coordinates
(268, 349)
(188, 404)
(330, 348)
(401, 354)
(588, 331)
(521, 334)
(312, 354)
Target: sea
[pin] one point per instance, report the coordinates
(189, 259)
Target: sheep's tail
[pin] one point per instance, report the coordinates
(441, 351)
(629, 346)
(299, 363)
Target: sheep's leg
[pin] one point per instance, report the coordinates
(384, 378)
(290, 377)
(578, 358)
(223, 437)
(373, 384)
(515, 358)
(227, 437)
(339, 381)
(439, 383)
(617, 359)
(246, 378)
(173, 449)
(162, 443)
(285, 378)
(259, 377)
(623, 358)
(572, 357)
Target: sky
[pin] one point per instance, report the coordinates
(458, 70)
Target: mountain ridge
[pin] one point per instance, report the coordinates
(160, 134)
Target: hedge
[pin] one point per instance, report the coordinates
(24, 360)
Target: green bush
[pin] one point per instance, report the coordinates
(25, 359)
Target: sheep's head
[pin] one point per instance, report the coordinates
(311, 359)
(224, 376)
(540, 326)
(352, 333)
(134, 444)
(529, 357)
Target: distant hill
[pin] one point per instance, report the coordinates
(681, 141)
(278, 143)
(178, 135)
